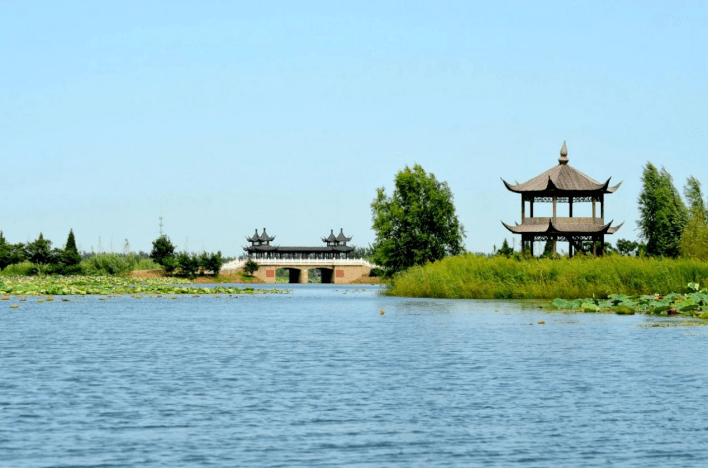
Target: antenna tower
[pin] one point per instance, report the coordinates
(161, 225)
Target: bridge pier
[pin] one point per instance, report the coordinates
(302, 278)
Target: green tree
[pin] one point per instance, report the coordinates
(39, 251)
(417, 223)
(627, 248)
(694, 238)
(505, 250)
(188, 264)
(250, 266)
(10, 253)
(162, 248)
(70, 258)
(211, 262)
(663, 214)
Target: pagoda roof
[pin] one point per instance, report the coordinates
(562, 178)
(341, 236)
(264, 236)
(544, 225)
(331, 238)
(306, 249)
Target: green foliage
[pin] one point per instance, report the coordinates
(188, 264)
(626, 247)
(364, 252)
(211, 262)
(115, 264)
(250, 266)
(10, 253)
(663, 214)
(162, 248)
(472, 277)
(417, 224)
(39, 251)
(694, 239)
(21, 269)
(694, 303)
(505, 250)
(101, 285)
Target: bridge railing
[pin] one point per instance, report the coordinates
(237, 264)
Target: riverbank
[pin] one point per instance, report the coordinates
(478, 277)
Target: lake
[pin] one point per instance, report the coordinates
(320, 378)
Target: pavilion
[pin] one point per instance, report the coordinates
(563, 184)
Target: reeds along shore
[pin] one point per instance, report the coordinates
(477, 277)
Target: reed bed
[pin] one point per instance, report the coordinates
(477, 277)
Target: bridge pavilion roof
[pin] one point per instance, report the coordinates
(262, 238)
(562, 178)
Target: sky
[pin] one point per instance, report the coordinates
(222, 116)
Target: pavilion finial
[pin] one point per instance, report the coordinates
(564, 154)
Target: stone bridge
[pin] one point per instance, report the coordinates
(332, 270)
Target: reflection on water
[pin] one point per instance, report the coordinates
(320, 378)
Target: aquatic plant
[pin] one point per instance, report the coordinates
(104, 285)
(694, 303)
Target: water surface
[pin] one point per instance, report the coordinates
(320, 378)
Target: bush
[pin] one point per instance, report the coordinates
(22, 269)
(188, 264)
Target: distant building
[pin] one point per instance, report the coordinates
(335, 248)
(563, 184)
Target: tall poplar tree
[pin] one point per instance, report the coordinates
(663, 214)
(694, 238)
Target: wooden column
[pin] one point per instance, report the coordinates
(555, 199)
(523, 209)
(602, 207)
(532, 238)
(570, 247)
(593, 209)
(531, 207)
(594, 238)
(555, 239)
(570, 207)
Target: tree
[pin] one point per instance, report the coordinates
(694, 238)
(216, 261)
(417, 224)
(162, 248)
(663, 214)
(39, 251)
(10, 253)
(627, 248)
(188, 264)
(505, 250)
(250, 266)
(70, 258)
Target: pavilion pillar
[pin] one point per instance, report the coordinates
(523, 209)
(555, 200)
(531, 207)
(570, 207)
(570, 245)
(532, 237)
(594, 244)
(593, 209)
(555, 240)
(602, 208)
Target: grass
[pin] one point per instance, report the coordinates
(116, 264)
(477, 277)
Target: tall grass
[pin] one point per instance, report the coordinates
(115, 264)
(23, 269)
(471, 276)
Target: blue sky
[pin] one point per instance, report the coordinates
(228, 116)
